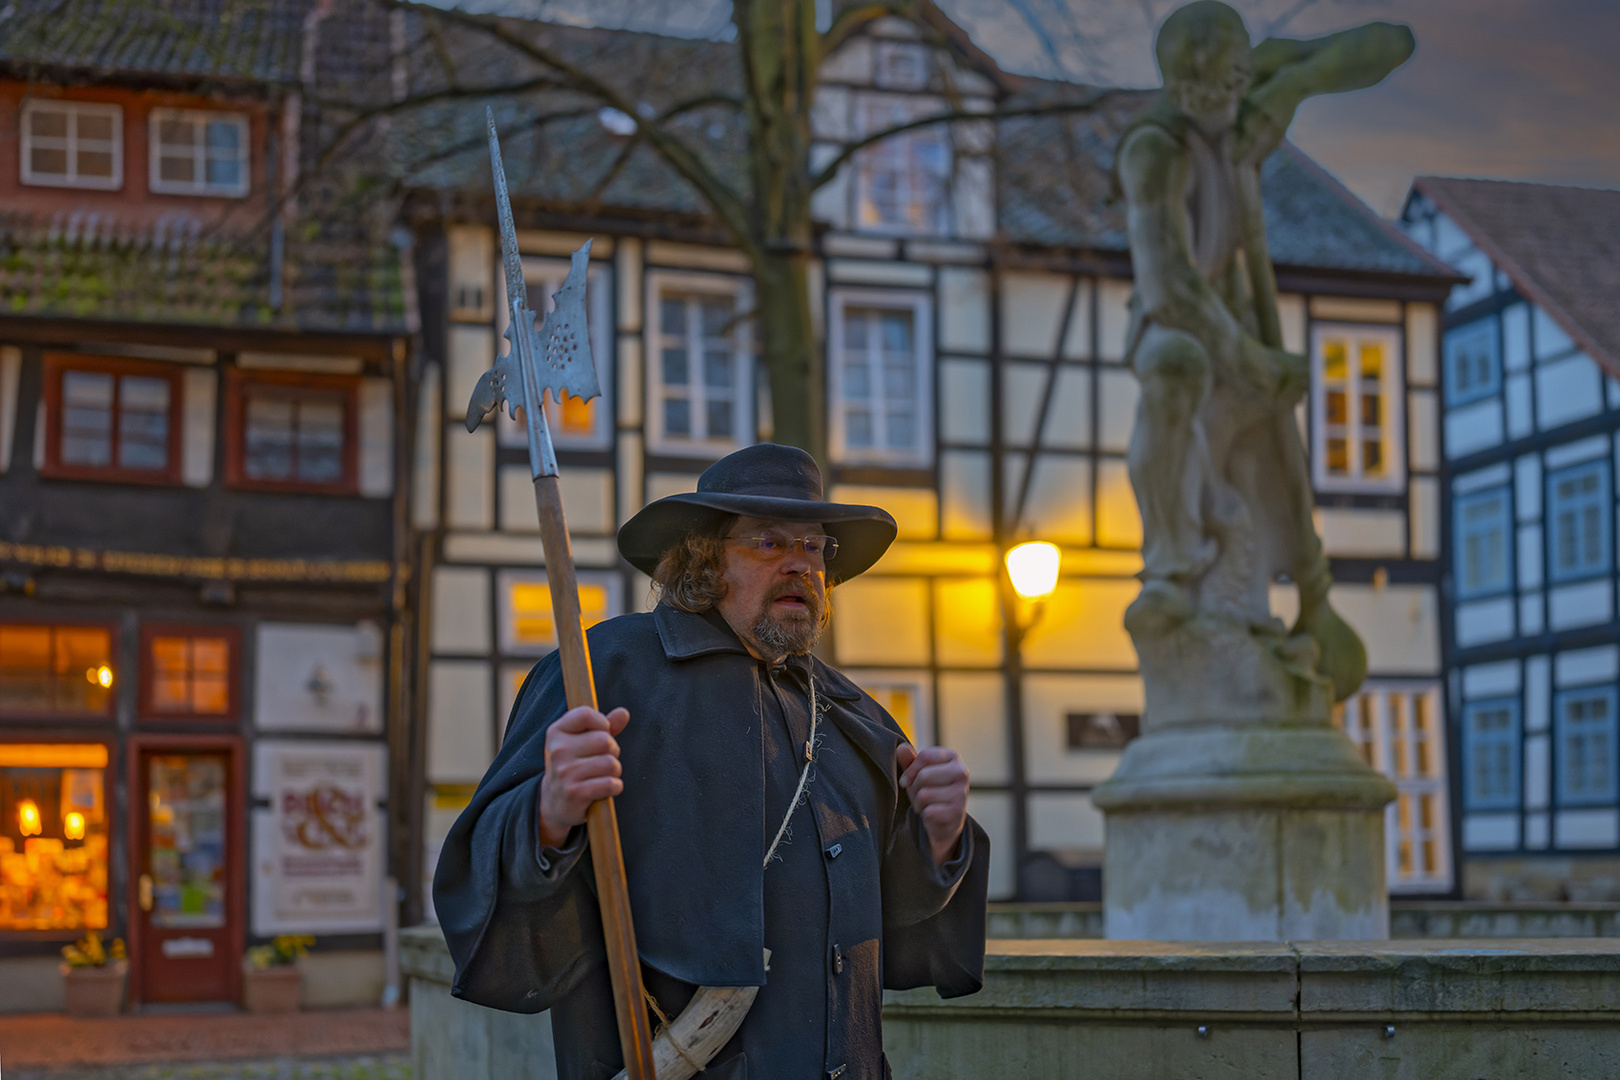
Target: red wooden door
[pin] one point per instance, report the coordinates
(188, 859)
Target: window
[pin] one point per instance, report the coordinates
(1473, 362)
(55, 670)
(199, 153)
(902, 182)
(72, 144)
(527, 627)
(1491, 754)
(905, 696)
(1578, 520)
(1356, 421)
(111, 419)
(1484, 543)
(702, 372)
(188, 672)
(881, 391)
(1397, 729)
(292, 432)
(1586, 747)
(53, 836)
(573, 423)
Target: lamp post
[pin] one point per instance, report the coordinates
(1031, 577)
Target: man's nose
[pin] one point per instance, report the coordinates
(798, 561)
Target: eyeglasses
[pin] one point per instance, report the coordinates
(771, 548)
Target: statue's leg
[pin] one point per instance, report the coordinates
(1167, 473)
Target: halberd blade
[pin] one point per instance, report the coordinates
(565, 359)
(501, 383)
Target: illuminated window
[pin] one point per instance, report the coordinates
(292, 432)
(199, 153)
(882, 401)
(573, 423)
(527, 627)
(72, 144)
(903, 181)
(110, 419)
(188, 673)
(1397, 728)
(905, 697)
(53, 837)
(55, 670)
(1355, 417)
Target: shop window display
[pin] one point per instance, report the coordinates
(53, 837)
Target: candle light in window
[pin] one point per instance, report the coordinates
(73, 826)
(100, 676)
(28, 822)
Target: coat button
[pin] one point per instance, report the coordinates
(835, 851)
(838, 960)
(834, 1074)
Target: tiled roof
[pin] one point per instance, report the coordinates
(1560, 245)
(254, 40)
(86, 266)
(1056, 189)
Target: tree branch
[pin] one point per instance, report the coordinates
(1056, 108)
(729, 207)
(854, 18)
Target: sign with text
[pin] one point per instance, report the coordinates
(318, 848)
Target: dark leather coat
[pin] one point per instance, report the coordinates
(522, 922)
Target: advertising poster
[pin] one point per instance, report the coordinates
(319, 844)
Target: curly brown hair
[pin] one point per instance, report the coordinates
(690, 576)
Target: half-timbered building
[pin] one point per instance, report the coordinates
(1531, 457)
(201, 507)
(970, 287)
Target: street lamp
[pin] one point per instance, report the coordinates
(1033, 568)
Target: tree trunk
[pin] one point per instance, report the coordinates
(789, 352)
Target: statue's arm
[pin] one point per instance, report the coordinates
(1153, 172)
(1286, 72)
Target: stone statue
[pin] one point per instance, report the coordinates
(1241, 813)
(1216, 459)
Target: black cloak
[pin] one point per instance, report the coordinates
(522, 921)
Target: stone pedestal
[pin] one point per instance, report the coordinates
(1242, 813)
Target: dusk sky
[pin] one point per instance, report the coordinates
(1518, 89)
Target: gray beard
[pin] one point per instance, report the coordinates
(790, 637)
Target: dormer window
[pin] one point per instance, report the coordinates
(199, 153)
(902, 181)
(76, 144)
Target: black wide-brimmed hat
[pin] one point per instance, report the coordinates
(763, 481)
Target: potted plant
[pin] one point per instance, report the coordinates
(273, 978)
(93, 976)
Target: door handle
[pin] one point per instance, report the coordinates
(144, 888)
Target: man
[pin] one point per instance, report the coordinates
(878, 878)
(1215, 459)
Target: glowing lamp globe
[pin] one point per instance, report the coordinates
(1033, 567)
(73, 826)
(28, 822)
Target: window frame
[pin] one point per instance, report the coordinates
(238, 386)
(1489, 329)
(903, 108)
(1394, 393)
(1562, 734)
(57, 364)
(1604, 499)
(920, 304)
(1462, 533)
(599, 306)
(745, 424)
(25, 143)
(154, 153)
(108, 787)
(146, 668)
(1514, 739)
(916, 681)
(21, 717)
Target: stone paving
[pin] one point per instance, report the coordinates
(378, 1067)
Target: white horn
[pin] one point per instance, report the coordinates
(707, 1023)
